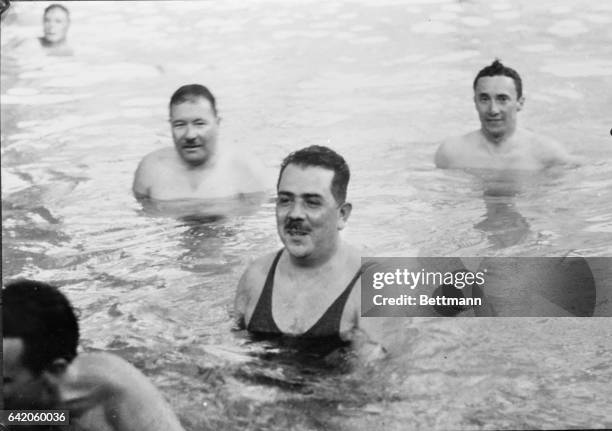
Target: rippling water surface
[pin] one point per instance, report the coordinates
(381, 82)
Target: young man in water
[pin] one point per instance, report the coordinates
(310, 289)
(196, 168)
(42, 370)
(500, 143)
(56, 21)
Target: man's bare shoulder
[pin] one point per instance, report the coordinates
(257, 271)
(163, 155)
(250, 286)
(149, 169)
(106, 369)
(119, 391)
(250, 172)
(546, 149)
(453, 149)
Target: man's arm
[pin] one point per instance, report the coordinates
(241, 300)
(554, 153)
(143, 178)
(141, 407)
(442, 157)
(367, 334)
(120, 397)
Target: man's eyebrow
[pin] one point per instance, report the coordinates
(303, 195)
(312, 195)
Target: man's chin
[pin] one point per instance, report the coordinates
(194, 160)
(296, 248)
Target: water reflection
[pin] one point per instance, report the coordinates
(503, 224)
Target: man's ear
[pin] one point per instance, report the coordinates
(345, 212)
(519, 103)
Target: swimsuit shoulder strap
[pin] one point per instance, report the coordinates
(261, 319)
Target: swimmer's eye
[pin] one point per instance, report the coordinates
(313, 203)
(282, 200)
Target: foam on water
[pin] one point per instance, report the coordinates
(585, 68)
(153, 102)
(474, 21)
(433, 27)
(500, 6)
(568, 28)
(538, 47)
(507, 15)
(42, 99)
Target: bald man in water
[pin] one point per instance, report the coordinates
(42, 371)
(500, 143)
(197, 167)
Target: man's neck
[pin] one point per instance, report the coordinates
(320, 260)
(205, 165)
(497, 142)
(48, 44)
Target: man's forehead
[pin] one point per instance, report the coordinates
(56, 11)
(498, 84)
(301, 179)
(195, 104)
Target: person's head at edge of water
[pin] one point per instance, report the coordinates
(311, 206)
(195, 124)
(498, 97)
(56, 20)
(40, 338)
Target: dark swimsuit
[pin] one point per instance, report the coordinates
(328, 326)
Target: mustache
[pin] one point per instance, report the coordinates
(297, 225)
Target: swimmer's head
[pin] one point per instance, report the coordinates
(311, 205)
(323, 157)
(191, 93)
(195, 124)
(497, 68)
(40, 334)
(498, 98)
(56, 20)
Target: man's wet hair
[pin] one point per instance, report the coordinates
(497, 68)
(57, 6)
(43, 318)
(317, 155)
(192, 92)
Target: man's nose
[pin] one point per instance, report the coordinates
(296, 211)
(191, 132)
(493, 107)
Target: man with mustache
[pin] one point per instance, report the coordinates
(310, 289)
(42, 370)
(196, 168)
(500, 144)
